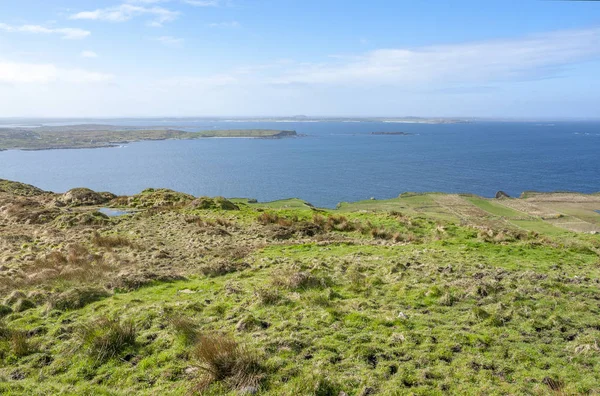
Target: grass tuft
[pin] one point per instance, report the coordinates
(106, 338)
(222, 359)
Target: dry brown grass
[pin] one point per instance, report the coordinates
(296, 280)
(221, 267)
(111, 241)
(380, 233)
(222, 359)
(216, 226)
(77, 264)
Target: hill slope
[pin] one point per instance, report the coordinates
(212, 296)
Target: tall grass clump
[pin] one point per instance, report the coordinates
(186, 329)
(223, 359)
(106, 338)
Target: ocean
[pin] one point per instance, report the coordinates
(331, 162)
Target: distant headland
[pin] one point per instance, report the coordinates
(97, 136)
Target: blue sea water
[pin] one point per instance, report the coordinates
(333, 162)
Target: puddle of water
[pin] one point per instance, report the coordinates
(597, 211)
(114, 212)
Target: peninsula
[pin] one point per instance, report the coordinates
(95, 136)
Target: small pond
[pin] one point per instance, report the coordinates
(115, 212)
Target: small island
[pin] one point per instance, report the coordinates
(97, 136)
(392, 133)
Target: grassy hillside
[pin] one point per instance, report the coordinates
(424, 294)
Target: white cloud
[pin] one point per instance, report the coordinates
(32, 73)
(533, 57)
(232, 24)
(88, 54)
(66, 33)
(170, 41)
(125, 12)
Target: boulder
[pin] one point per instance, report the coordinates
(501, 194)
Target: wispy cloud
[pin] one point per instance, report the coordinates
(231, 24)
(532, 57)
(170, 41)
(65, 33)
(125, 12)
(33, 73)
(88, 54)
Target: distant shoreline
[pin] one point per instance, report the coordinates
(108, 136)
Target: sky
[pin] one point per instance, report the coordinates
(434, 58)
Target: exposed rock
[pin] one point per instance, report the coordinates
(502, 194)
(83, 197)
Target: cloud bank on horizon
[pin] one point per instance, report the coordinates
(222, 57)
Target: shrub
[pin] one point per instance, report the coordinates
(105, 338)
(222, 359)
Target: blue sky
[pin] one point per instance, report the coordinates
(117, 58)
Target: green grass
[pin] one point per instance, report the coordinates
(494, 208)
(291, 203)
(210, 301)
(539, 226)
